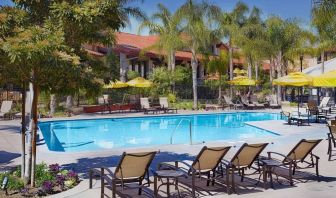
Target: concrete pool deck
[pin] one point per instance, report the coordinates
(83, 161)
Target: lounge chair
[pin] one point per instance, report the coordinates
(255, 102)
(27, 109)
(147, 108)
(165, 105)
(243, 159)
(296, 156)
(286, 110)
(331, 139)
(133, 168)
(324, 102)
(205, 163)
(6, 106)
(229, 102)
(315, 111)
(273, 102)
(298, 116)
(247, 104)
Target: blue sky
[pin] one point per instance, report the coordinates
(299, 9)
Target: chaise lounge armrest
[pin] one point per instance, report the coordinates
(280, 154)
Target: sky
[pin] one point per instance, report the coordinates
(299, 9)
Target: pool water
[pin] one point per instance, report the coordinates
(99, 134)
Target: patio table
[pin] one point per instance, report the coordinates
(167, 174)
(267, 166)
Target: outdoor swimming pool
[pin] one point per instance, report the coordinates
(98, 134)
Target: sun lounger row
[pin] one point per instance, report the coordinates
(163, 107)
(210, 163)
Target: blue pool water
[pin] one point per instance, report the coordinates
(98, 134)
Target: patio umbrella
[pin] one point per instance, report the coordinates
(296, 79)
(242, 81)
(140, 82)
(115, 85)
(325, 80)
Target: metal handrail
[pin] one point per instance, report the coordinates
(190, 131)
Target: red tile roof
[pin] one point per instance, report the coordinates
(132, 44)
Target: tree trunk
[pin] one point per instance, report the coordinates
(256, 67)
(230, 65)
(34, 132)
(249, 67)
(231, 60)
(123, 67)
(194, 65)
(169, 61)
(69, 103)
(29, 156)
(322, 62)
(220, 89)
(173, 59)
(272, 74)
(279, 70)
(52, 104)
(23, 131)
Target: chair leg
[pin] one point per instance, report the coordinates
(102, 183)
(228, 181)
(208, 178)
(291, 174)
(90, 176)
(193, 185)
(114, 189)
(233, 182)
(213, 177)
(140, 189)
(317, 170)
(242, 175)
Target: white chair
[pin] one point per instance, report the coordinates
(6, 106)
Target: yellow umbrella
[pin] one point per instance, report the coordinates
(115, 85)
(139, 82)
(242, 81)
(325, 80)
(297, 79)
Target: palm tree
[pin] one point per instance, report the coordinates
(251, 40)
(282, 35)
(219, 65)
(197, 19)
(231, 24)
(323, 20)
(167, 26)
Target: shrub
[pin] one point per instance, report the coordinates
(171, 98)
(14, 183)
(132, 74)
(43, 174)
(47, 186)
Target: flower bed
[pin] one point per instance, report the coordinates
(50, 179)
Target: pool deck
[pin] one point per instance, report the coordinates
(83, 161)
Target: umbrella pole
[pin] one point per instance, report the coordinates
(299, 100)
(335, 95)
(318, 95)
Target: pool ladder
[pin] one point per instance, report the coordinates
(190, 131)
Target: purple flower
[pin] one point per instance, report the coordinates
(54, 168)
(47, 186)
(72, 175)
(60, 180)
(24, 190)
